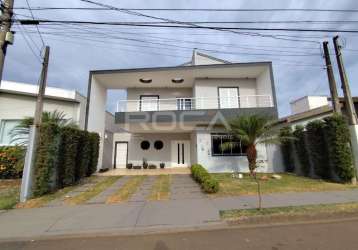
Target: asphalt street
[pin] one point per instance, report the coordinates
(318, 235)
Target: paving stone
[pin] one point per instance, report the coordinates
(144, 190)
(103, 196)
(184, 187)
(80, 189)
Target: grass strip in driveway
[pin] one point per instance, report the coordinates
(280, 212)
(289, 183)
(93, 191)
(9, 193)
(161, 188)
(127, 190)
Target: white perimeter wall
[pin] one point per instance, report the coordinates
(97, 114)
(235, 163)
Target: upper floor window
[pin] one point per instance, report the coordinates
(228, 97)
(235, 148)
(149, 103)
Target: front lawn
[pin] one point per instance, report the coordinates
(309, 210)
(289, 183)
(9, 193)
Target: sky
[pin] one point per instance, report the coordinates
(76, 49)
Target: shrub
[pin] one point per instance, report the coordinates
(287, 149)
(206, 181)
(145, 163)
(340, 154)
(317, 148)
(94, 153)
(69, 141)
(83, 155)
(46, 158)
(11, 162)
(301, 150)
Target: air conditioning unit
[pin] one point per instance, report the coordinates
(9, 37)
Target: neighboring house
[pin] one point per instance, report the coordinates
(18, 100)
(176, 115)
(310, 108)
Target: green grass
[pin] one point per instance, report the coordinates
(289, 183)
(160, 189)
(9, 193)
(127, 190)
(291, 211)
(93, 191)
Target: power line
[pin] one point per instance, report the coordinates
(38, 30)
(197, 9)
(27, 22)
(135, 13)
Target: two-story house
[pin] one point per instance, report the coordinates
(177, 115)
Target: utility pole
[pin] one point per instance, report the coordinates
(5, 33)
(331, 79)
(351, 113)
(27, 177)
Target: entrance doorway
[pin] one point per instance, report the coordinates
(180, 153)
(121, 155)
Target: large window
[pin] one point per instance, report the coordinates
(228, 97)
(235, 149)
(5, 128)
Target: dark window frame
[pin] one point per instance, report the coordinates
(212, 135)
(144, 142)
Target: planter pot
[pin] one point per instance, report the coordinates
(162, 165)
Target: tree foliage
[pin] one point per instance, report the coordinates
(338, 141)
(287, 149)
(301, 150)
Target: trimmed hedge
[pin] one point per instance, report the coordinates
(287, 149)
(317, 148)
(94, 153)
(46, 159)
(64, 156)
(11, 162)
(301, 150)
(69, 142)
(207, 183)
(340, 154)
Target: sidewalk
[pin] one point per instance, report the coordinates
(146, 215)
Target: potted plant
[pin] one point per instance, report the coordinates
(152, 166)
(129, 165)
(137, 167)
(162, 165)
(145, 163)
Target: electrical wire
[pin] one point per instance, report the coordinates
(38, 30)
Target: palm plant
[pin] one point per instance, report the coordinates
(19, 134)
(251, 131)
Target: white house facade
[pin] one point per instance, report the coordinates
(18, 100)
(177, 115)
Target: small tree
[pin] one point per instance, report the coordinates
(251, 131)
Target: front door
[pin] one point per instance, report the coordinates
(180, 153)
(121, 155)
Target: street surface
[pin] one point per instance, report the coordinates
(323, 235)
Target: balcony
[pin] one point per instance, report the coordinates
(154, 103)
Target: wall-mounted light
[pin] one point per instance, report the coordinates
(177, 80)
(145, 80)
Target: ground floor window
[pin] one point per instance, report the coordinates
(6, 127)
(235, 149)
